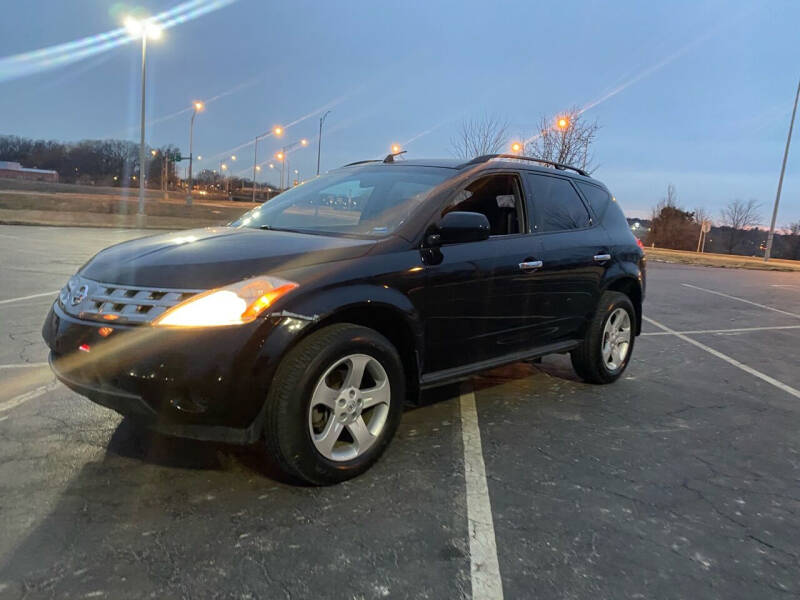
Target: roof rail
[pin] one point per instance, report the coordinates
(559, 166)
(362, 162)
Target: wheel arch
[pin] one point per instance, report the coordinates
(631, 287)
(384, 309)
(391, 323)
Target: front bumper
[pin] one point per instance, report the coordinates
(205, 383)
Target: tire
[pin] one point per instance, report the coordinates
(588, 359)
(299, 427)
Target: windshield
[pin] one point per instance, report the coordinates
(366, 201)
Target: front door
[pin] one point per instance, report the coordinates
(480, 303)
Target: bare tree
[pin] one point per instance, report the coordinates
(484, 135)
(566, 139)
(701, 215)
(670, 225)
(738, 216)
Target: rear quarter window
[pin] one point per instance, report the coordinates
(605, 207)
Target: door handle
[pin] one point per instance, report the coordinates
(530, 265)
(602, 257)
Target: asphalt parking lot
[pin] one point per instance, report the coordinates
(681, 480)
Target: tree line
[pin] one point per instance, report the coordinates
(98, 162)
(736, 231)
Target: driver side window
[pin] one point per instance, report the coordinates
(495, 196)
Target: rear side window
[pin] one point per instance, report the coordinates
(597, 198)
(556, 204)
(604, 206)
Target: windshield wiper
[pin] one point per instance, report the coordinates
(272, 228)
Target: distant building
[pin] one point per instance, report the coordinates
(14, 170)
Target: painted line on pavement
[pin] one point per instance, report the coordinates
(732, 361)
(772, 308)
(24, 365)
(783, 285)
(737, 330)
(21, 298)
(484, 565)
(23, 398)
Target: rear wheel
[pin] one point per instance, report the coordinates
(606, 349)
(334, 404)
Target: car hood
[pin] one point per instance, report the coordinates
(216, 256)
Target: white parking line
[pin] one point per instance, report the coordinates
(22, 398)
(732, 361)
(24, 365)
(484, 566)
(736, 330)
(764, 306)
(21, 298)
(783, 285)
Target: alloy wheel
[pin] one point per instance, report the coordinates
(616, 340)
(349, 407)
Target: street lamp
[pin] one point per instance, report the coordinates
(319, 139)
(277, 131)
(768, 251)
(516, 148)
(563, 123)
(142, 29)
(283, 156)
(197, 106)
(395, 148)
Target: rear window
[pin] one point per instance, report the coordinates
(555, 204)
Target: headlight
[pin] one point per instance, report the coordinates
(230, 305)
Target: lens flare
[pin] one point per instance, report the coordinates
(45, 59)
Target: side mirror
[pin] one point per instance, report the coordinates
(459, 227)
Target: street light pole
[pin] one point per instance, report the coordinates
(319, 139)
(142, 29)
(255, 165)
(277, 131)
(197, 106)
(283, 166)
(142, 157)
(771, 235)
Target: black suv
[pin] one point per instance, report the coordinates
(310, 321)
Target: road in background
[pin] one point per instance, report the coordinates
(680, 480)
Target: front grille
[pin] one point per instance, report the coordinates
(119, 303)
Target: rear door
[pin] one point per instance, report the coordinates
(574, 253)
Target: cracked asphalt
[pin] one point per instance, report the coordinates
(681, 480)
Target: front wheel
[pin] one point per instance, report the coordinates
(334, 404)
(606, 349)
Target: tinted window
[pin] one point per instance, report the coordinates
(604, 206)
(556, 204)
(597, 198)
(497, 197)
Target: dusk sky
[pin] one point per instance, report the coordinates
(704, 88)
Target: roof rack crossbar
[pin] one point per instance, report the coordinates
(559, 166)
